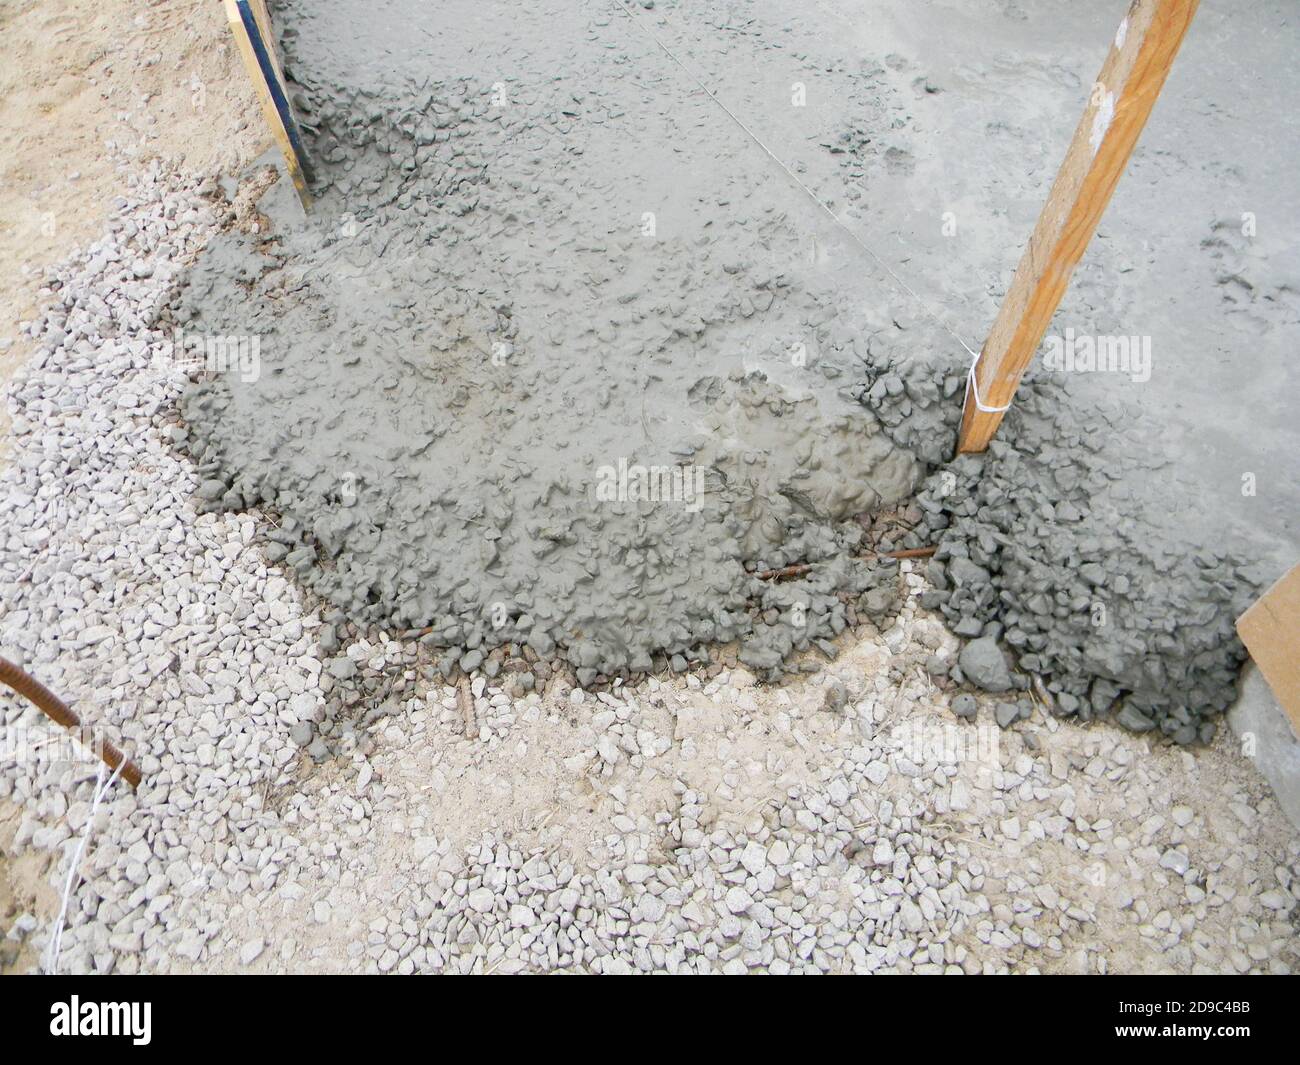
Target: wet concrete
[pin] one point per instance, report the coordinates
(562, 358)
(514, 288)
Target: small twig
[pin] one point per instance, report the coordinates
(466, 699)
(800, 568)
(59, 712)
(1041, 693)
(911, 552)
(907, 552)
(797, 570)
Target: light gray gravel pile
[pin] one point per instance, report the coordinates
(841, 824)
(163, 628)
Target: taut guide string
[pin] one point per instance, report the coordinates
(971, 381)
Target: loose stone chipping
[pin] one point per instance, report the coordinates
(162, 627)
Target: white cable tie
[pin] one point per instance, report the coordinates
(972, 383)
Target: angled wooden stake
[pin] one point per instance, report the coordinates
(251, 25)
(1121, 100)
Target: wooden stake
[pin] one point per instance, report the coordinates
(251, 25)
(1121, 100)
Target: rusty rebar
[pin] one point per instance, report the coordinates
(60, 713)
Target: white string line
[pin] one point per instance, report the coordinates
(972, 384)
(56, 936)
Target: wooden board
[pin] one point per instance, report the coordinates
(250, 22)
(1118, 107)
(1271, 632)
